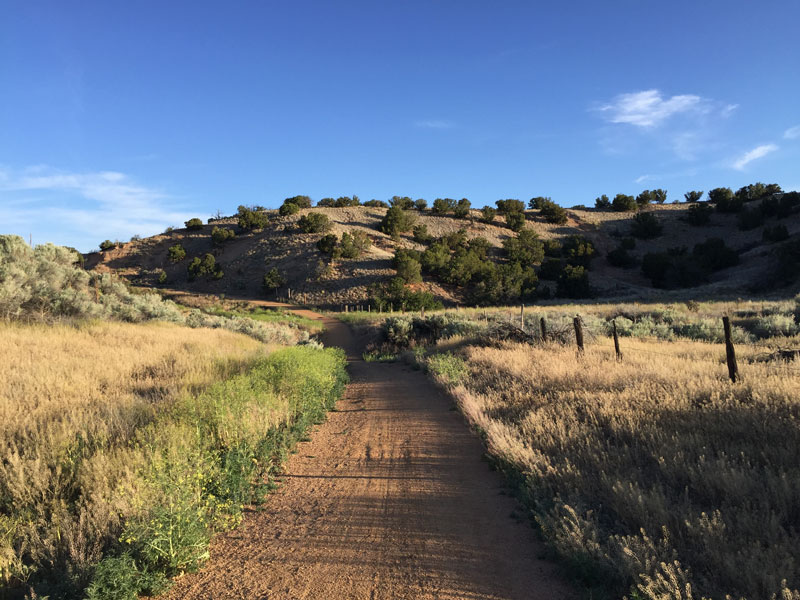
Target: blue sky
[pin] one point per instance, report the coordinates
(121, 118)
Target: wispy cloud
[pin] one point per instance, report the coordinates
(76, 208)
(758, 152)
(434, 124)
(649, 108)
(642, 178)
(792, 133)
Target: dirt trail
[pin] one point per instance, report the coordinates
(389, 499)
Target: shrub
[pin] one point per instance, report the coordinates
(341, 202)
(699, 214)
(442, 206)
(578, 251)
(526, 249)
(327, 244)
(715, 255)
(535, 203)
(775, 325)
(288, 209)
(420, 204)
(624, 203)
(693, 196)
(488, 214)
(252, 219)
(510, 205)
(162, 277)
(619, 257)
(194, 224)
(725, 200)
(553, 248)
(314, 223)
(602, 202)
(674, 269)
(354, 244)
(750, 218)
(788, 267)
(326, 202)
(646, 226)
(397, 221)
(775, 234)
(515, 220)
(551, 269)
(299, 201)
(272, 280)
(205, 267)
(176, 253)
(403, 202)
(106, 245)
(409, 269)
(650, 196)
(421, 235)
(552, 212)
(573, 282)
(376, 204)
(461, 209)
(395, 295)
(220, 235)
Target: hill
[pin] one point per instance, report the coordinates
(319, 280)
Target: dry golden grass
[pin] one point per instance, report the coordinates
(654, 474)
(71, 400)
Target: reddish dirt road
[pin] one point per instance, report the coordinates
(389, 499)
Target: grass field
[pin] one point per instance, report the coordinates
(653, 476)
(126, 445)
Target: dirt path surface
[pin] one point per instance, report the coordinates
(389, 499)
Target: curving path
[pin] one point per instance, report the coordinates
(390, 499)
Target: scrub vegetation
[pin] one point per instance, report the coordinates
(132, 428)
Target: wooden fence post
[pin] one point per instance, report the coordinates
(522, 317)
(423, 312)
(543, 327)
(616, 339)
(578, 333)
(730, 353)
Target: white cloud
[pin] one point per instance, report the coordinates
(792, 133)
(76, 208)
(642, 178)
(434, 124)
(748, 157)
(649, 109)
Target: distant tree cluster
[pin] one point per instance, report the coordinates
(194, 224)
(677, 268)
(250, 218)
(206, 266)
(341, 202)
(351, 245)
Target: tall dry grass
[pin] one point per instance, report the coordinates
(654, 476)
(71, 401)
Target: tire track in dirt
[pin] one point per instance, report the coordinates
(389, 499)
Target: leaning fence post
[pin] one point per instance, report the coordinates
(730, 353)
(616, 339)
(578, 333)
(543, 327)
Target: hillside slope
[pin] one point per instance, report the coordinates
(322, 282)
